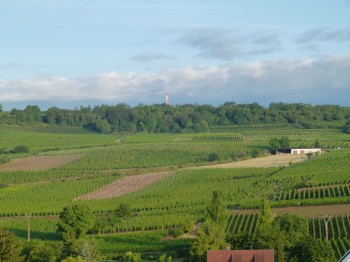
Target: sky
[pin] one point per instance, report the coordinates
(89, 52)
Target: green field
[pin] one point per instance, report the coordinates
(182, 197)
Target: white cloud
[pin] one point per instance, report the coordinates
(325, 80)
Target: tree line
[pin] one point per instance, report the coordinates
(187, 118)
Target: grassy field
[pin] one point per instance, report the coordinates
(64, 166)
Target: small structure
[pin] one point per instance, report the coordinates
(263, 255)
(345, 258)
(303, 151)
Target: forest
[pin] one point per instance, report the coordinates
(189, 118)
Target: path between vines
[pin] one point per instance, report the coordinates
(125, 185)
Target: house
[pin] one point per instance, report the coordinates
(303, 151)
(263, 255)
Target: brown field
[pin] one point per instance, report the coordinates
(38, 163)
(305, 211)
(125, 185)
(266, 161)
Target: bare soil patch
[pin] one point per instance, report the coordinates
(125, 185)
(38, 163)
(266, 161)
(305, 211)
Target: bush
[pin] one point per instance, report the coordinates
(4, 160)
(213, 157)
(20, 149)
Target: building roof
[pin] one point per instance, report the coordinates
(263, 255)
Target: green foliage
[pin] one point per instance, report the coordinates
(317, 144)
(212, 234)
(10, 248)
(279, 143)
(346, 128)
(265, 234)
(36, 251)
(73, 259)
(131, 257)
(309, 155)
(101, 126)
(216, 209)
(241, 240)
(4, 160)
(20, 149)
(210, 237)
(183, 118)
(293, 228)
(310, 249)
(123, 211)
(76, 220)
(89, 251)
(213, 157)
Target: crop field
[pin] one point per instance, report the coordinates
(41, 141)
(84, 167)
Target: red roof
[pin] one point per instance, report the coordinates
(264, 255)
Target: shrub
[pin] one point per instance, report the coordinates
(20, 149)
(213, 157)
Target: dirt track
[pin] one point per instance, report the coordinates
(266, 161)
(38, 163)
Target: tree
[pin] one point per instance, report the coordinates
(314, 250)
(293, 228)
(241, 240)
(212, 234)
(213, 157)
(101, 126)
(265, 235)
(73, 259)
(131, 257)
(284, 142)
(10, 248)
(77, 219)
(317, 144)
(89, 251)
(123, 211)
(42, 251)
(346, 128)
(1, 107)
(216, 210)
(276, 143)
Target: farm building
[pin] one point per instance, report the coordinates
(266, 255)
(303, 151)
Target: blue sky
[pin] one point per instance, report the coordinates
(69, 53)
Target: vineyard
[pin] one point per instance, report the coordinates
(177, 193)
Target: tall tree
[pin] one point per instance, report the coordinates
(216, 209)
(10, 248)
(265, 235)
(77, 218)
(212, 234)
(89, 251)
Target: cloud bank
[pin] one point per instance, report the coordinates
(322, 81)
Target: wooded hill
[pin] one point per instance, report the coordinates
(181, 118)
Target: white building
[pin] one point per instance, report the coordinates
(303, 151)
